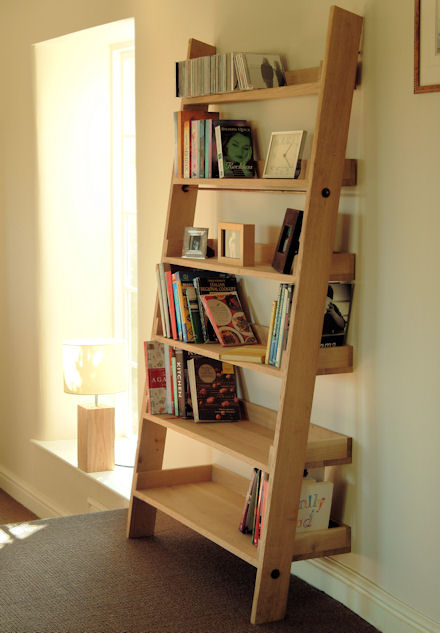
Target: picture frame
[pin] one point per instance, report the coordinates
(288, 241)
(283, 154)
(426, 46)
(236, 244)
(195, 242)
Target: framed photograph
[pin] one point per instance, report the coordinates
(195, 243)
(236, 243)
(426, 46)
(288, 241)
(282, 155)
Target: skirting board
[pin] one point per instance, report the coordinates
(30, 498)
(368, 600)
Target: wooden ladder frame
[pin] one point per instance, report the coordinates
(276, 549)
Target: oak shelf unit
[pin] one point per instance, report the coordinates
(210, 499)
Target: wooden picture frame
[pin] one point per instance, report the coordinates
(236, 244)
(288, 241)
(195, 243)
(426, 46)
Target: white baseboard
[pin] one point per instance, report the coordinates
(29, 497)
(363, 597)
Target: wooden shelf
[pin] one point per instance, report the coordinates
(331, 360)
(342, 266)
(210, 501)
(245, 96)
(287, 185)
(252, 442)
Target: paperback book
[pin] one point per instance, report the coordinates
(213, 390)
(227, 317)
(211, 283)
(155, 377)
(337, 314)
(234, 151)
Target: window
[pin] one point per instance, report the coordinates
(125, 223)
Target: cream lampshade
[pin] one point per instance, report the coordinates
(95, 367)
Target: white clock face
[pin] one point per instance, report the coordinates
(283, 154)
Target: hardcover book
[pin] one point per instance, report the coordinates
(156, 380)
(228, 319)
(213, 390)
(234, 151)
(249, 353)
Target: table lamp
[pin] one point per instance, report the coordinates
(94, 367)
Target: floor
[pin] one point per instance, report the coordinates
(13, 512)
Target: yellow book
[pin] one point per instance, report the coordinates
(244, 353)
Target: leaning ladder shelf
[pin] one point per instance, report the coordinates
(280, 442)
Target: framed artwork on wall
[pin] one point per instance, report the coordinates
(426, 46)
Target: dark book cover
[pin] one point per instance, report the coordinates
(213, 390)
(211, 283)
(337, 314)
(212, 126)
(234, 151)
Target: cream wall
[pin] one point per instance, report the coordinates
(390, 404)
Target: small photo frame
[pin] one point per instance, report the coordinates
(288, 241)
(195, 243)
(236, 244)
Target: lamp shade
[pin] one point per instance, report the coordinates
(95, 366)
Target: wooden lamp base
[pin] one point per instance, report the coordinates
(96, 438)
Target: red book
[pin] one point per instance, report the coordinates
(156, 383)
(169, 277)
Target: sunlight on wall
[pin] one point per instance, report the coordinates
(73, 112)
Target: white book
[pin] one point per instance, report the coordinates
(314, 505)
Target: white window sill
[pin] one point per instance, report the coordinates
(119, 480)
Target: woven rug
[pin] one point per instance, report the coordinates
(80, 574)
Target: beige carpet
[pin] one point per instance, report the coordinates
(80, 574)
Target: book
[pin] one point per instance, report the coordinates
(234, 151)
(155, 377)
(245, 353)
(167, 364)
(160, 299)
(314, 505)
(174, 382)
(171, 307)
(209, 283)
(164, 297)
(258, 70)
(242, 527)
(213, 151)
(337, 314)
(270, 331)
(227, 317)
(213, 390)
(194, 314)
(197, 149)
(181, 117)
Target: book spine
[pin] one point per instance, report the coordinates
(163, 285)
(160, 300)
(242, 526)
(171, 353)
(170, 293)
(201, 141)
(269, 334)
(208, 148)
(218, 142)
(155, 377)
(174, 374)
(177, 310)
(185, 319)
(282, 327)
(187, 149)
(193, 388)
(167, 364)
(180, 382)
(193, 308)
(195, 149)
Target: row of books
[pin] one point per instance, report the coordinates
(335, 325)
(199, 306)
(189, 385)
(313, 510)
(226, 72)
(209, 147)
